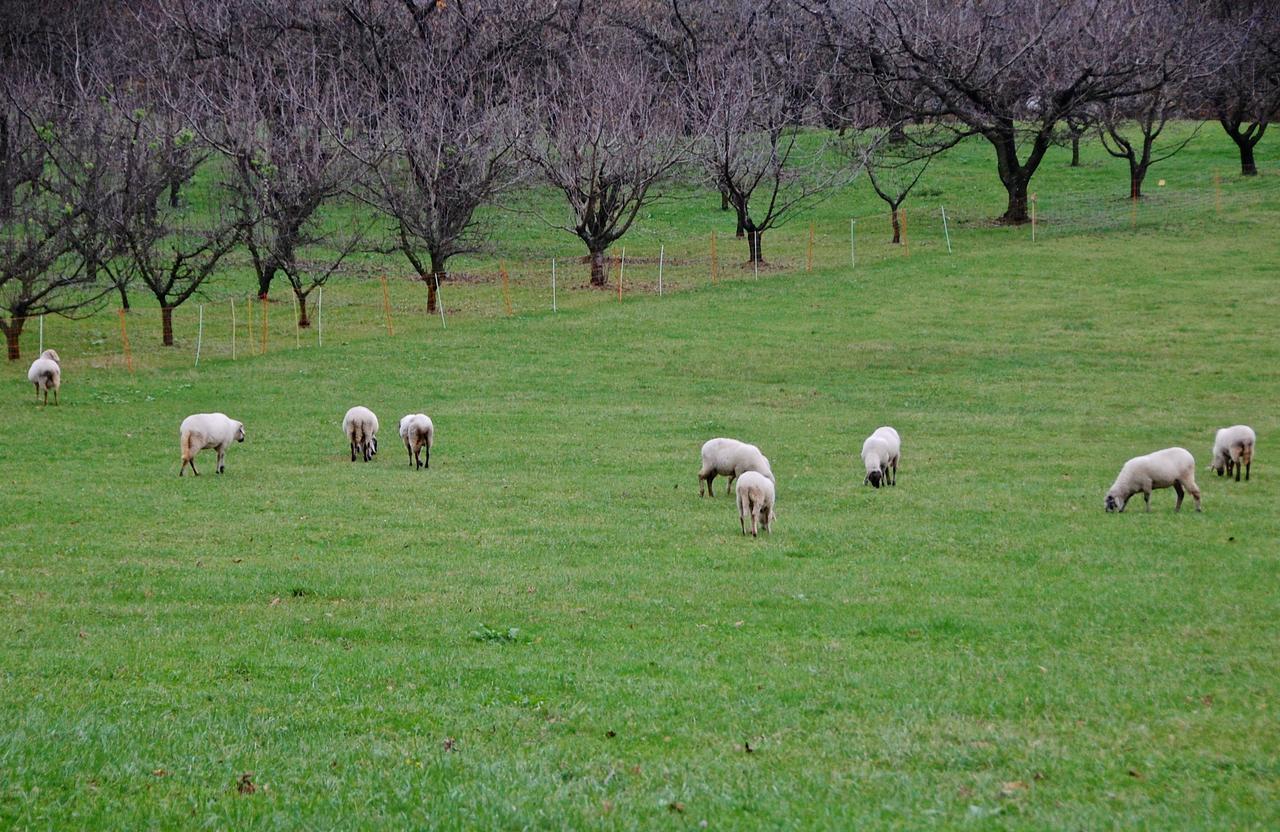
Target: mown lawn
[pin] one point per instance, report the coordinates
(550, 629)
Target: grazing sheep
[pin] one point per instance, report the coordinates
(208, 430)
(46, 374)
(1170, 467)
(418, 432)
(1233, 450)
(729, 458)
(361, 427)
(755, 498)
(880, 454)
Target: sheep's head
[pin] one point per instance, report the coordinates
(239, 431)
(1113, 505)
(874, 478)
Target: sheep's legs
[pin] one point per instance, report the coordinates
(1177, 488)
(353, 450)
(704, 485)
(1146, 498)
(222, 455)
(728, 489)
(192, 463)
(426, 450)
(412, 461)
(1195, 493)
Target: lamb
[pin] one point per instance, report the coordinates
(46, 373)
(1233, 450)
(1170, 467)
(208, 430)
(755, 498)
(361, 428)
(729, 458)
(418, 432)
(880, 454)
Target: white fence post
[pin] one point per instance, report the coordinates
(662, 255)
(945, 230)
(200, 335)
(553, 284)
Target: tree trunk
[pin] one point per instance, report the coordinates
(755, 237)
(303, 321)
(724, 200)
(897, 226)
(438, 263)
(175, 185)
(11, 335)
(166, 325)
(1075, 150)
(1248, 167)
(1016, 212)
(265, 277)
(124, 296)
(1137, 173)
(742, 224)
(1245, 141)
(599, 274)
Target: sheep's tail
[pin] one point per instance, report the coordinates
(189, 445)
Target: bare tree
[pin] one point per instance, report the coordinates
(605, 135)
(39, 272)
(271, 117)
(895, 161)
(1165, 38)
(1010, 71)
(174, 250)
(753, 147)
(1244, 91)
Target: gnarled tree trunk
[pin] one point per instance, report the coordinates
(599, 271)
(12, 336)
(166, 325)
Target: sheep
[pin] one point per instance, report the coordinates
(46, 373)
(729, 458)
(1170, 467)
(361, 428)
(418, 432)
(880, 454)
(1233, 450)
(755, 498)
(208, 430)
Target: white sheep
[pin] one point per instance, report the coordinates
(361, 428)
(46, 374)
(880, 454)
(755, 499)
(1233, 450)
(1170, 467)
(208, 430)
(729, 458)
(418, 432)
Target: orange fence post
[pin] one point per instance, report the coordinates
(1133, 213)
(264, 325)
(1033, 218)
(808, 256)
(124, 340)
(906, 246)
(233, 329)
(506, 287)
(386, 305)
(249, 305)
(715, 271)
(622, 270)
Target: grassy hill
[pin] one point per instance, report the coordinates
(550, 629)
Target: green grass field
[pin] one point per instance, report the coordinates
(550, 629)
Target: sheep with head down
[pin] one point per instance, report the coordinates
(1233, 450)
(756, 497)
(46, 375)
(880, 455)
(361, 429)
(208, 430)
(1141, 475)
(729, 458)
(419, 434)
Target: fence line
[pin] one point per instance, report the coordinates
(524, 286)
